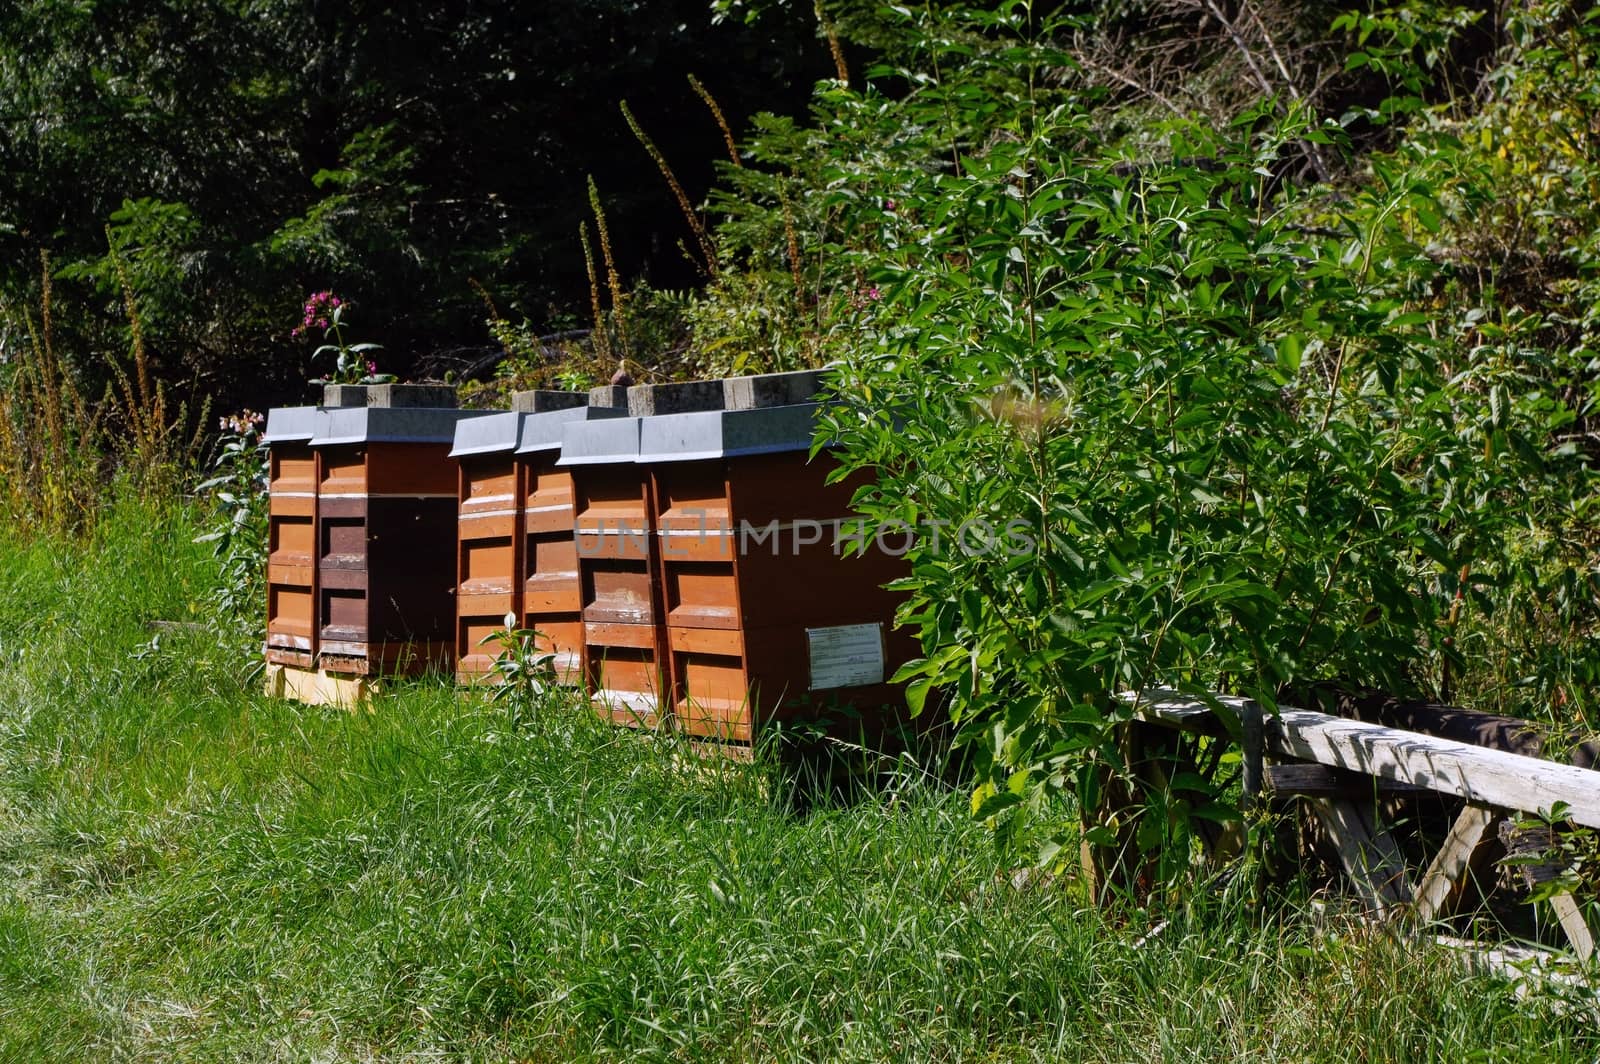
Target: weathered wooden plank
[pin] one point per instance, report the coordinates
(1453, 722)
(1442, 883)
(1533, 849)
(1529, 968)
(1484, 776)
(1574, 924)
(319, 687)
(1370, 856)
(1321, 781)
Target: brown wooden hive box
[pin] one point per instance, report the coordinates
(291, 537)
(688, 568)
(618, 592)
(386, 562)
(516, 553)
(767, 616)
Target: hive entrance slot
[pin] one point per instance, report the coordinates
(617, 591)
(289, 613)
(292, 540)
(487, 566)
(344, 542)
(702, 595)
(344, 615)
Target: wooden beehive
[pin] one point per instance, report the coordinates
(551, 581)
(489, 528)
(386, 540)
(516, 554)
(766, 616)
(615, 546)
(291, 537)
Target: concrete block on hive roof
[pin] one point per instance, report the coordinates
(543, 432)
(344, 395)
(651, 400)
(411, 396)
(600, 442)
(610, 396)
(727, 433)
(390, 396)
(291, 424)
(494, 433)
(389, 425)
(771, 389)
(539, 401)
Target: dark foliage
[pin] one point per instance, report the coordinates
(244, 153)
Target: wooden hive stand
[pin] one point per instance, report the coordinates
(1344, 769)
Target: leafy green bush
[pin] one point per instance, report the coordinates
(1235, 444)
(237, 492)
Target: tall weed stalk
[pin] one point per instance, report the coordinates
(159, 447)
(50, 437)
(60, 450)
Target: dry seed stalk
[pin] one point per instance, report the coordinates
(613, 282)
(707, 250)
(793, 238)
(601, 339)
(494, 311)
(716, 112)
(135, 398)
(47, 372)
(839, 65)
(48, 462)
(488, 300)
(158, 450)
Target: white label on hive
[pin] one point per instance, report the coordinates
(847, 655)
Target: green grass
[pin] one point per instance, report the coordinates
(189, 871)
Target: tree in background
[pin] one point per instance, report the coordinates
(236, 154)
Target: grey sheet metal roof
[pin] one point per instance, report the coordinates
(727, 433)
(389, 425)
(544, 431)
(291, 424)
(493, 434)
(599, 442)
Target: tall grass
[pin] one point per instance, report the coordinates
(188, 871)
(50, 437)
(59, 446)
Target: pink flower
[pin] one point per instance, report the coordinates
(318, 308)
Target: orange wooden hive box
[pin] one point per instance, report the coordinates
(516, 551)
(619, 595)
(488, 531)
(291, 537)
(767, 617)
(386, 517)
